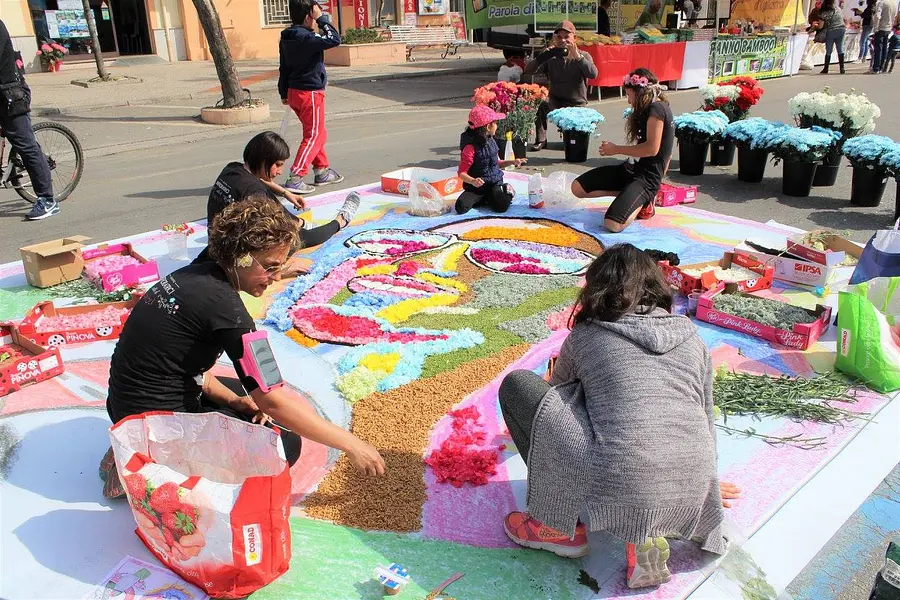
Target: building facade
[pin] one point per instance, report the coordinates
(171, 30)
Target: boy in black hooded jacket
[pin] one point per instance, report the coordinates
(301, 83)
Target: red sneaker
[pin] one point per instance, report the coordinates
(531, 533)
(648, 211)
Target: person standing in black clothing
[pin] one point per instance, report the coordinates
(865, 28)
(15, 120)
(603, 25)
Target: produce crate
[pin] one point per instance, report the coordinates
(29, 364)
(670, 195)
(128, 276)
(686, 284)
(802, 335)
(28, 326)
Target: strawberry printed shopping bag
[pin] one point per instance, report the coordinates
(210, 495)
(869, 333)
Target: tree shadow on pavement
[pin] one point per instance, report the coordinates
(170, 194)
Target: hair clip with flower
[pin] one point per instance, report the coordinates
(245, 261)
(635, 80)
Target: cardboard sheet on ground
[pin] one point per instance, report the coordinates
(402, 320)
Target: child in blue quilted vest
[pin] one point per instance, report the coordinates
(480, 167)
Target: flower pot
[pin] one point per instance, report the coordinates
(692, 157)
(177, 243)
(797, 178)
(751, 164)
(867, 186)
(721, 153)
(576, 143)
(827, 171)
(519, 147)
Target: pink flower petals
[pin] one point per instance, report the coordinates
(96, 268)
(110, 316)
(463, 456)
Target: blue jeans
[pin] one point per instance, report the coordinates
(834, 37)
(879, 55)
(21, 137)
(864, 42)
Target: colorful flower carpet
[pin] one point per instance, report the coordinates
(402, 332)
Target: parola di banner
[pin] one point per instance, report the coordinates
(481, 14)
(760, 57)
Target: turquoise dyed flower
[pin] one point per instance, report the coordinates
(576, 118)
(868, 150)
(700, 126)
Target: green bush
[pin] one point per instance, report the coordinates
(362, 36)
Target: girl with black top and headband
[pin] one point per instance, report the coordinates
(636, 181)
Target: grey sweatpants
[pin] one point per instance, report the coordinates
(520, 395)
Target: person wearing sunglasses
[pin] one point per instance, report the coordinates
(184, 323)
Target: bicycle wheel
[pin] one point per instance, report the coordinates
(64, 157)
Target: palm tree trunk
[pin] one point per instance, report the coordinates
(218, 46)
(95, 40)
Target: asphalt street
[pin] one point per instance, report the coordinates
(138, 176)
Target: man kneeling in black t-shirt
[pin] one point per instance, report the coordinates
(264, 158)
(181, 326)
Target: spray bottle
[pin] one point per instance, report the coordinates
(508, 152)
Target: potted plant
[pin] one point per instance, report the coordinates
(890, 160)
(519, 102)
(577, 124)
(850, 114)
(750, 137)
(365, 47)
(734, 98)
(694, 131)
(51, 55)
(869, 174)
(800, 150)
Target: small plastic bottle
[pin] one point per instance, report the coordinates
(536, 191)
(509, 153)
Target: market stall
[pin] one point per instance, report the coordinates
(614, 62)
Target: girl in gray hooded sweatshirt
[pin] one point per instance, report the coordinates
(622, 436)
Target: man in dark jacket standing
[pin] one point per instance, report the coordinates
(301, 83)
(15, 120)
(568, 70)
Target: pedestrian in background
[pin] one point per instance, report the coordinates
(301, 83)
(603, 24)
(883, 23)
(831, 21)
(865, 28)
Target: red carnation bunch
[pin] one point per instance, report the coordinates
(735, 105)
(462, 457)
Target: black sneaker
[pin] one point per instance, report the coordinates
(43, 208)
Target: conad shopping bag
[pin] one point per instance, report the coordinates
(210, 495)
(869, 333)
(880, 257)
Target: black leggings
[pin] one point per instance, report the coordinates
(290, 440)
(634, 192)
(498, 196)
(520, 395)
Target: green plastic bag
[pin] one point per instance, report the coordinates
(868, 340)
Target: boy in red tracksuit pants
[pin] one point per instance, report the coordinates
(301, 83)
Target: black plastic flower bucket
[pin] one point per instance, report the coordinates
(867, 187)
(797, 178)
(692, 157)
(751, 164)
(827, 171)
(721, 153)
(576, 143)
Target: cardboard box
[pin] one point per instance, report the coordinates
(28, 326)
(130, 276)
(802, 335)
(671, 195)
(445, 181)
(37, 364)
(792, 267)
(53, 262)
(840, 248)
(687, 284)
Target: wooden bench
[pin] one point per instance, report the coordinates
(422, 37)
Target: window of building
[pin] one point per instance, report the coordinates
(275, 12)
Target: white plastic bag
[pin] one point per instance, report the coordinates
(285, 120)
(425, 200)
(558, 190)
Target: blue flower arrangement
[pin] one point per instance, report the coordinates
(575, 118)
(701, 126)
(754, 132)
(890, 161)
(867, 150)
(793, 144)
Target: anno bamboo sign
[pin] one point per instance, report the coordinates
(760, 57)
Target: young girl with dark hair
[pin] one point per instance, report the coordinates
(264, 158)
(480, 167)
(622, 436)
(636, 181)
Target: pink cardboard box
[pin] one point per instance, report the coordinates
(129, 276)
(670, 195)
(802, 335)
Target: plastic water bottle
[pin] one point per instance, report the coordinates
(508, 153)
(535, 191)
